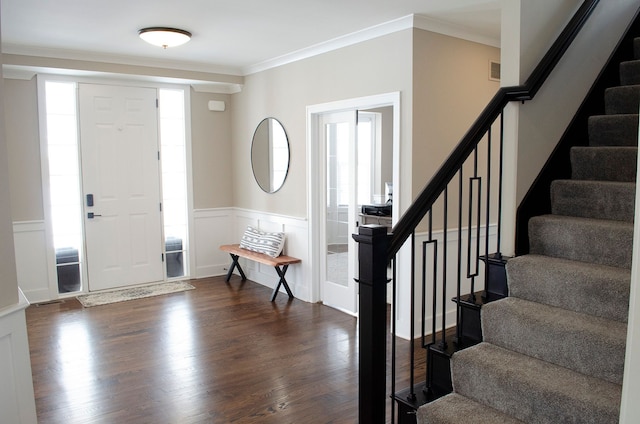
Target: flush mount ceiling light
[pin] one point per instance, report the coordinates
(164, 37)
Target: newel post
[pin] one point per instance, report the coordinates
(373, 243)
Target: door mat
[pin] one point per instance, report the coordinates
(104, 298)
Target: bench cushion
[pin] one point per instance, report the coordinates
(270, 244)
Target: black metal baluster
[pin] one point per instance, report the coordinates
(424, 307)
(411, 397)
(459, 276)
(434, 298)
(488, 212)
(478, 228)
(500, 171)
(393, 339)
(475, 179)
(424, 291)
(443, 344)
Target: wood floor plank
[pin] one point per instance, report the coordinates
(222, 353)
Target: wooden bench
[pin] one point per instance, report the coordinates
(280, 263)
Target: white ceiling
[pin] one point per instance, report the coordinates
(235, 37)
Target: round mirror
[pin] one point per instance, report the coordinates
(270, 155)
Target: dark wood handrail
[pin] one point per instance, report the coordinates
(425, 200)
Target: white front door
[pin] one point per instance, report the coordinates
(120, 163)
(338, 135)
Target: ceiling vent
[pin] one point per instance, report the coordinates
(494, 71)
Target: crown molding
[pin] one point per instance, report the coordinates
(386, 28)
(406, 22)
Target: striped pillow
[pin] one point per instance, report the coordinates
(259, 241)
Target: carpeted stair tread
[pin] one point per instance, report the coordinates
(630, 72)
(624, 99)
(599, 290)
(594, 199)
(604, 163)
(449, 409)
(532, 390)
(613, 130)
(583, 343)
(603, 242)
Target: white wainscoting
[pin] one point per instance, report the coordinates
(31, 260)
(403, 313)
(16, 391)
(214, 227)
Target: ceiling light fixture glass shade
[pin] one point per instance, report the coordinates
(164, 37)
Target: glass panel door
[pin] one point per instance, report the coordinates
(339, 138)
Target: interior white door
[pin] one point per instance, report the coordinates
(338, 134)
(120, 163)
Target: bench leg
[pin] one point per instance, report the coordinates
(235, 264)
(282, 282)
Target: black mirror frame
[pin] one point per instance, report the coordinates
(253, 142)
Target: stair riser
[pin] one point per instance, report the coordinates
(604, 163)
(595, 199)
(624, 100)
(585, 240)
(589, 345)
(575, 286)
(630, 73)
(613, 130)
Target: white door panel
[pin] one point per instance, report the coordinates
(119, 140)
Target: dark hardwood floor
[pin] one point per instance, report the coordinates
(222, 353)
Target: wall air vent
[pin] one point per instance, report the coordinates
(494, 71)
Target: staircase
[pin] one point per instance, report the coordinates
(554, 350)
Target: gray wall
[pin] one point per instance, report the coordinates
(451, 87)
(211, 152)
(442, 80)
(23, 145)
(376, 66)
(8, 276)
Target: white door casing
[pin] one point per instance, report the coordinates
(120, 167)
(316, 178)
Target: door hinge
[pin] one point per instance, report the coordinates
(160, 206)
(162, 257)
(157, 103)
(158, 154)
